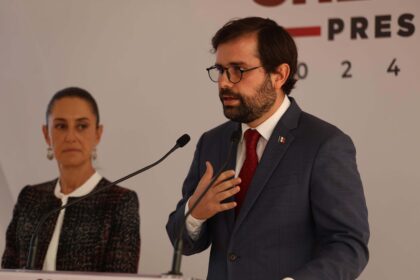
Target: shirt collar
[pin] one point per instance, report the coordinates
(267, 127)
(84, 189)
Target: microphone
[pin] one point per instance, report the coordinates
(182, 141)
(33, 245)
(177, 256)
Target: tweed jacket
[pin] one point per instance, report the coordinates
(101, 233)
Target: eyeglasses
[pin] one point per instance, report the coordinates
(234, 73)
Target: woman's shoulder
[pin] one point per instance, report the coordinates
(116, 189)
(115, 197)
(45, 187)
(37, 192)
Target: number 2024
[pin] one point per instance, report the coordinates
(303, 70)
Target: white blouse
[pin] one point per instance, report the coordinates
(87, 187)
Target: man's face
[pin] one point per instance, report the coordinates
(251, 100)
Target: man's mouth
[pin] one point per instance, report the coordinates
(229, 100)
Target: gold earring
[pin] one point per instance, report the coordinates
(50, 153)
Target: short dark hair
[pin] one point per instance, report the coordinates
(77, 93)
(275, 45)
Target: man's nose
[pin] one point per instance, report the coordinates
(224, 80)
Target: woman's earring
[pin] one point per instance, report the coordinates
(50, 154)
(94, 154)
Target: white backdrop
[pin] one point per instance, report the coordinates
(145, 61)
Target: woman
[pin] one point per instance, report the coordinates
(101, 233)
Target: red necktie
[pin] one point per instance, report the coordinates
(248, 168)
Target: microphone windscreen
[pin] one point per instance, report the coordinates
(183, 140)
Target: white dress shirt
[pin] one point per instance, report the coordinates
(87, 187)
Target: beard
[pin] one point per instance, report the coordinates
(250, 108)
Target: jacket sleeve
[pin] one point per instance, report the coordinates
(123, 249)
(11, 254)
(339, 212)
(176, 218)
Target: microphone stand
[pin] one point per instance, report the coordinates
(177, 256)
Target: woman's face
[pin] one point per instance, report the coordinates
(72, 132)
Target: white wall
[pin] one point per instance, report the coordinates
(145, 62)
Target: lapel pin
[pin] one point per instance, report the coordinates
(282, 140)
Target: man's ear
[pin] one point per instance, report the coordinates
(280, 76)
(46, 136)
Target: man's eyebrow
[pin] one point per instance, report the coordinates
(233, 63)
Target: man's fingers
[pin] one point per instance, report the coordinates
(211, 204)
(227, 206)
(206, 178)
(227, 185)
(228, 193)
(209, 172)
(224, 176)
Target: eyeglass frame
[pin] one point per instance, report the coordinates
(226, 69)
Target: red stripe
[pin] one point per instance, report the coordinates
(304, 31)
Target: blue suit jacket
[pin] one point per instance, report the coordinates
(304, 215)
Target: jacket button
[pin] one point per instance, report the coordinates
(232, 257)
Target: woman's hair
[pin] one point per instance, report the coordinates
(77, 93)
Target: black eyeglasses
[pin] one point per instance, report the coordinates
(234, 73)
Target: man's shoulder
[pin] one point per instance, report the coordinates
(222, 131)
(226, 126)
(318, 130)
(309, 120)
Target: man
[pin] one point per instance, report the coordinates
(291, 204)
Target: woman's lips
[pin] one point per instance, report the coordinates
(71, 150)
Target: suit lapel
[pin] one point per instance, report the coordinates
(277, 146)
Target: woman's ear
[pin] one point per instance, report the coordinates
(46, 136)
(99, 131)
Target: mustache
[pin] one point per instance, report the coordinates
(224, 92)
